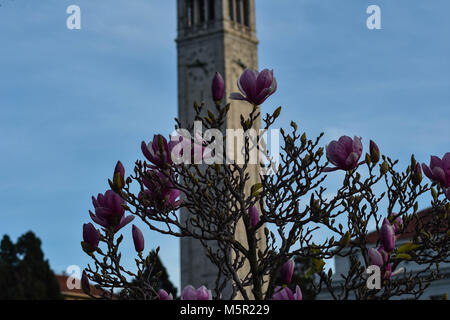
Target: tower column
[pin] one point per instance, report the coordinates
(224, 46)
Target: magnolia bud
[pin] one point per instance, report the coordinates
(138, 239)
(254, 216)
(384, 168)
(387, 236)
(218, 87)
(374, 152)
(119, 176)
(91, 237)
(85, 283)
(417, 175)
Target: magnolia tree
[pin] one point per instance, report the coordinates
(281, 214)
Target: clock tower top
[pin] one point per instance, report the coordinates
(201, 17)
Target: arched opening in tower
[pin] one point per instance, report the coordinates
(211, 10)
(190, 14)
(231, 9)
(246, 13)
(201, 11)
(239, 11)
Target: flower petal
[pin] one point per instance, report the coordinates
(103, 212)
(124, 222)
(347, 143)
(264, 80)
(145, 151)
(247, 83)
(435, 162)
(427, 172)
(189, 293)
(262, 96)
(352, 160)
(375, 257)
(336, 153)
(439, 175)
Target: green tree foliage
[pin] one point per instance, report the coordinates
(163, 279)
(24, 274)
(158, 272)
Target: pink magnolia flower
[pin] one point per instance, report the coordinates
(160, 191)
(158, 151)
(439, 170)
(344, 153)
(287, 294)
(380, 258)
(397, 223)
(163, 295)
(109, 212)
(287, 271)
(255, 86)
(190, 293)
(184, 149)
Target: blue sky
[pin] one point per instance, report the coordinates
(74, 102)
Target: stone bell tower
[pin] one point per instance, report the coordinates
(213, 35)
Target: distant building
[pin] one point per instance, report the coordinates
(435, 291)
(74, 294)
